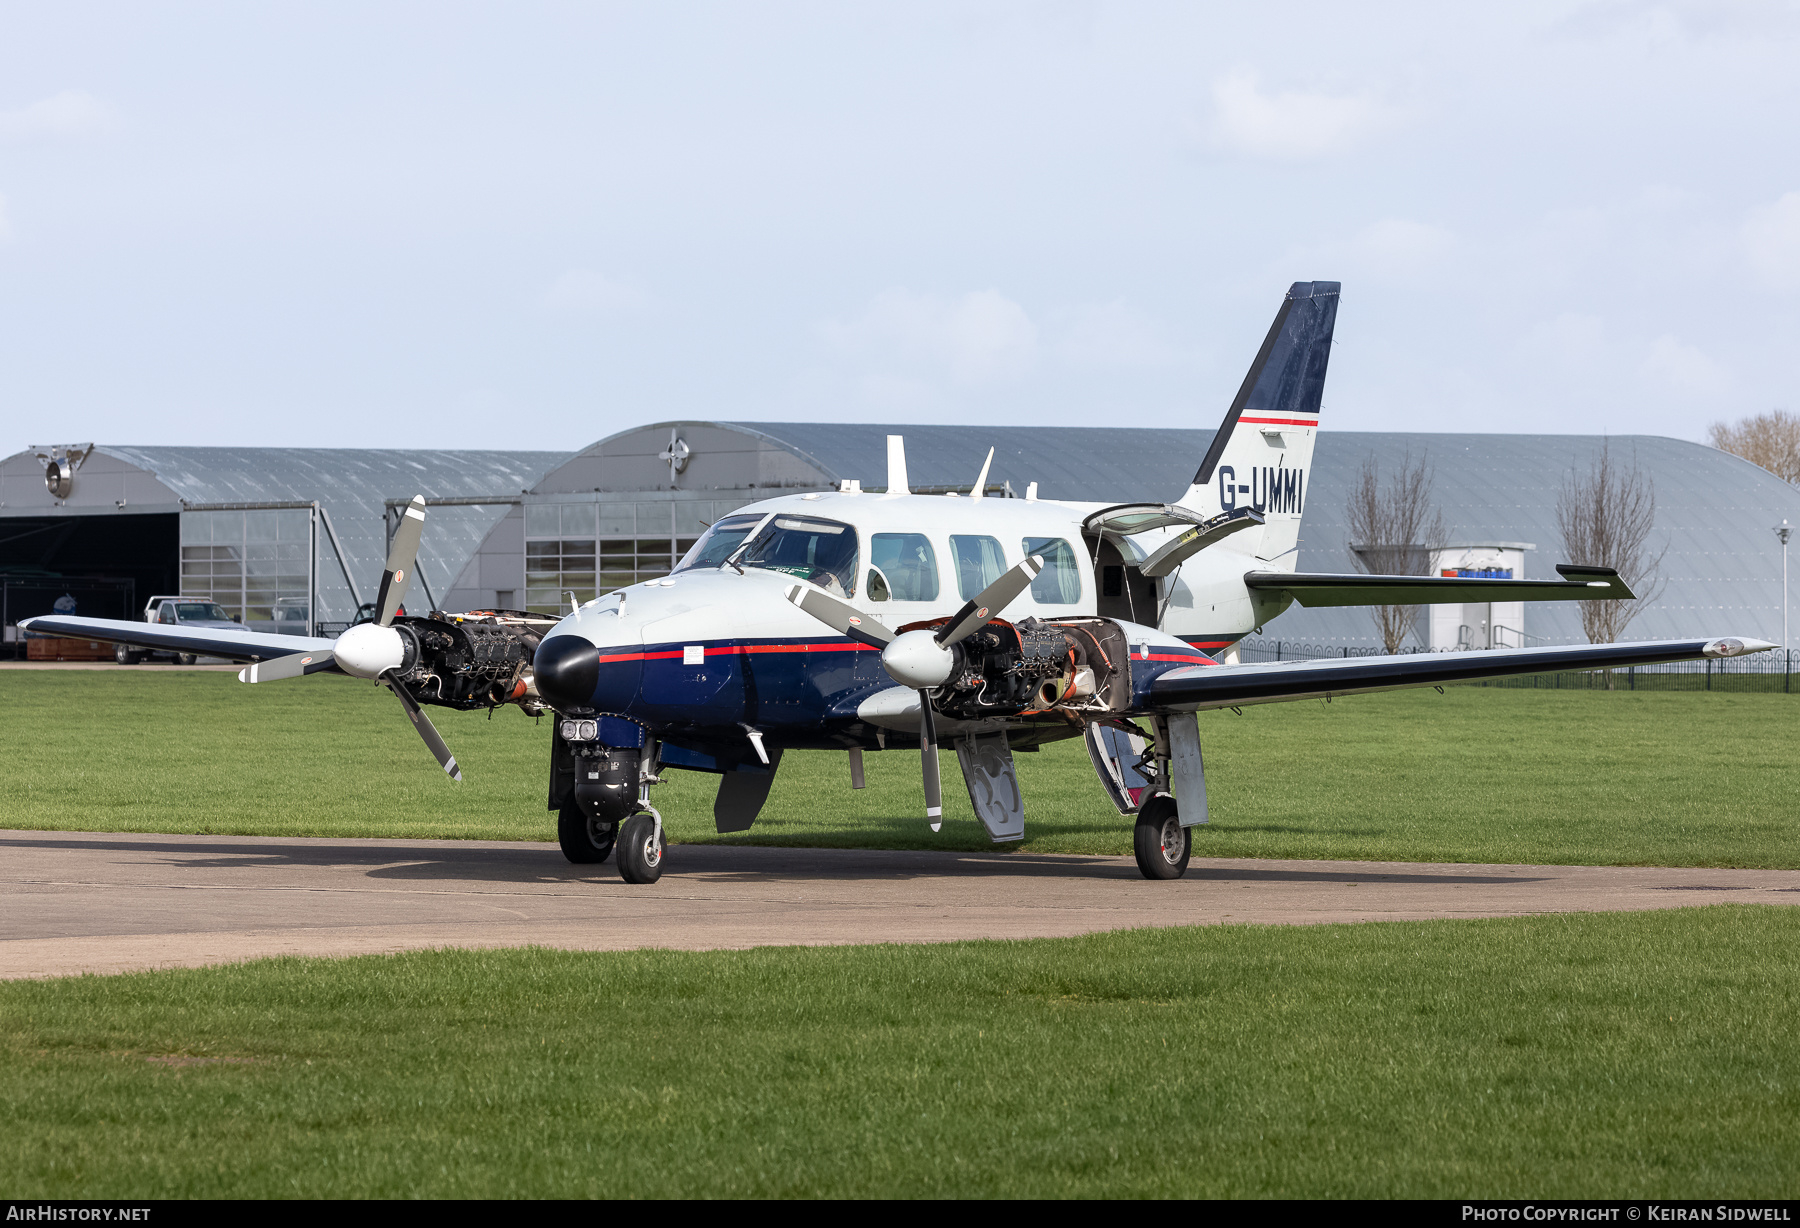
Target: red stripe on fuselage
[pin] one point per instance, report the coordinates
(736, 650)
(1282, 421)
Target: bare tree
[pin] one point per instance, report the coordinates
(1771, 440)
(1605, 517)
(1394, 530)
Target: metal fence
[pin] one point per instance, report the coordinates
(1762, 671)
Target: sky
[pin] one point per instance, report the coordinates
(531, 225)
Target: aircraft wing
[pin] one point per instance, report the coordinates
(1193, 687)
(1312, 589)
(210, 641)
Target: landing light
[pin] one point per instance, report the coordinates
(579, 731)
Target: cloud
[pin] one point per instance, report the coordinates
(1569, 340)
(1680, 367)
(980, 337)
(1771, 237)
(1401, 245)
(70, 113)
(1113, 335)
(583, 290)
(1291, 126)
(1682, 21)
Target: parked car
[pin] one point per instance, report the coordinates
(175, 611)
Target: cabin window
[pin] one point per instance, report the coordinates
(979, 562)
(1060, 581)
(908, 564)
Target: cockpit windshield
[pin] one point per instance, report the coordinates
(822, 551)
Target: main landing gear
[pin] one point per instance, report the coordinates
(585, 840)
(1161, 843)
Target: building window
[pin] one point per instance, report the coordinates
(594, 548)
(252, 563)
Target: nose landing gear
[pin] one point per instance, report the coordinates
(641, 848)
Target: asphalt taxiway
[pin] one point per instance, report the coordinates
(74, 902)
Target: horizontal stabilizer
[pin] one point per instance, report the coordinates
(1223, 686)
(1338, 589)
(209, 641)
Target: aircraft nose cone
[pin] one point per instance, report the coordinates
(567, 669)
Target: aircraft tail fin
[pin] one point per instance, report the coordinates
(1262, 454)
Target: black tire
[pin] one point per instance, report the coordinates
(585, 841)
(640, 849)
(184, 658)
(124, 655)
(1161, 843)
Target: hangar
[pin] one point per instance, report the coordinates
(280, 536)
(283, 538)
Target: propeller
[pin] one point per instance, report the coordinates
(373, 650)
(921, 659)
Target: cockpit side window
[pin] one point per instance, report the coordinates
(1060, 581)
(979, 562)
(908, 562)
(716, 545)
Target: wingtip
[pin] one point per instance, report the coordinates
(1736, 646)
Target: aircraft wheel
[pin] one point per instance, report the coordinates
(585, 841)
(640, 849)
(1161, 843)
(184, 658)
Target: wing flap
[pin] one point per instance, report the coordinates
(1193, 687)
(233, 645)
(1315, 589)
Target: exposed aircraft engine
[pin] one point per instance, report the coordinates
(1031, 666)
(476, 660)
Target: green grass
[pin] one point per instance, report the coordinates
(1602, 1055)
(1476, 774)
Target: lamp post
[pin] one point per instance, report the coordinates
(1784, 531)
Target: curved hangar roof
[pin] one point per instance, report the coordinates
(352, 484)
(1714, 510)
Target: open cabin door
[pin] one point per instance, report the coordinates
(1133, 589)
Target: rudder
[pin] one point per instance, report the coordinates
(1261, 456)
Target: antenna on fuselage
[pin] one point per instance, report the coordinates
(897, 466)
(981, 482)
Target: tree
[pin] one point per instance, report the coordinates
(1605, 517)
(1394, 530)
(1771, 440)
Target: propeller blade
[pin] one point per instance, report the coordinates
(989, 602)
(840, 616)
(293, 665)
(426, 729)
(928, 762)
(402, 556)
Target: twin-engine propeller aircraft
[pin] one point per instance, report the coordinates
(859, 621)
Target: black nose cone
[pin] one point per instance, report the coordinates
(567, 668)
